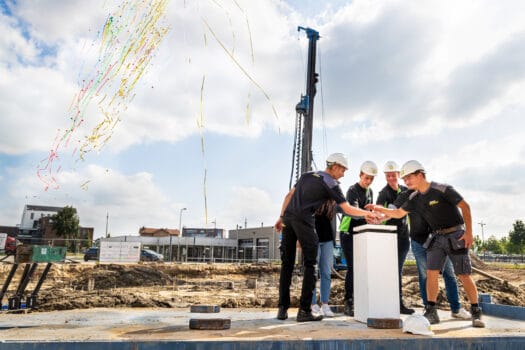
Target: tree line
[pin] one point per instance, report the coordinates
(514, 243)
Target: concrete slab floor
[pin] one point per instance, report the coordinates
(133, 324)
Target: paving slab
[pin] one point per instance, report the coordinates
(247, 325)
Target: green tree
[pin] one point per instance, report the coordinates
(478, 244)
(504, 241)
(517, 238)
(66, 224)
(494, 245)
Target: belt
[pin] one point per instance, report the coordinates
(448, 230)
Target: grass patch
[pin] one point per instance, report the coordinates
(504, 265)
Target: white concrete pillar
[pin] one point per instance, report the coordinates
(376, 289)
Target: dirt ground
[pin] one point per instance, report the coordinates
(171, 285)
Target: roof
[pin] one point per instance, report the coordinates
(43, 208)
(151, 231)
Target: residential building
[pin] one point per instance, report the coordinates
(47, 235)
(29, 225)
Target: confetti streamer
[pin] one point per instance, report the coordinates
(129, 40)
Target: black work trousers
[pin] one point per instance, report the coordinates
(298, 230)
(347, 243)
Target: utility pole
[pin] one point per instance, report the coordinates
(107, 221)
(482, 224)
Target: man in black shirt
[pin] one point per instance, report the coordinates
(387, 197)
(358, 195)
(440, 206)
(419, 232)
(297, 222)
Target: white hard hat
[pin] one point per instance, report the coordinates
(411, 167)
(369, 168)
(337, 158)
(390, 167)
(417, 324)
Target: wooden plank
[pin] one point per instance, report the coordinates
(486, 274)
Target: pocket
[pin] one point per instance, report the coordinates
(456, 244)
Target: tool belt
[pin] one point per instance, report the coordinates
(445, 231)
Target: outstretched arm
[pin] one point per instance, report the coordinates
(353, 211)
(393, 213)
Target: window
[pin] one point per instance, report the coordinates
(32, 216)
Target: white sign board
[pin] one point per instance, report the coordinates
(119, 252)
(3, 238)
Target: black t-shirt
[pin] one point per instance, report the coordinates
(311, 191)
(387, 196)
(438, 206)
(418, 227)
(358, 197)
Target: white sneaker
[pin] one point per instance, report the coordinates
(462, 314)
(327, 312)
(316, 309)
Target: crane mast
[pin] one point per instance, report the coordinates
(304, 112)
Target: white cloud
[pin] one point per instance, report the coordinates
(253, 204)
(131, 200)
(442, 83)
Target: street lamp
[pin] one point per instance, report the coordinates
(180, 220)
(180, 233)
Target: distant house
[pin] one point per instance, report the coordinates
(158, 232)
(36, 227)
(29, 225)
(47, 235)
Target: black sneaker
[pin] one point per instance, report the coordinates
(349, 308)
(307, 316)
(282, 314)
(475, 311)
(431, 314)
(405, 310)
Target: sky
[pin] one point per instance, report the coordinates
(209, 125)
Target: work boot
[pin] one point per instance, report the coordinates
(349, 308)
(405, 310)
(307, 316)
(431, 314)
(282, 314)
(476, 317)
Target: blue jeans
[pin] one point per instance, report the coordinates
(325, 260)
(451, 284)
